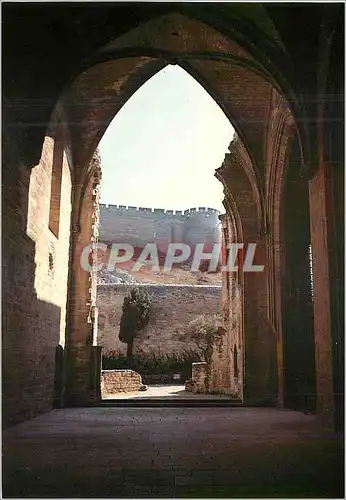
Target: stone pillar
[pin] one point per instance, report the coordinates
(320, 212)
(83, 356)
(232, 379)
(257, 349)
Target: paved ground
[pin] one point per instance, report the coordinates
(171, 452)
(167, 392)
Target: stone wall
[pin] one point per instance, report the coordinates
(115, 381)
(33, 308)
(227, 368)
(36, 239)
(173, 307)
(197, 383)
(139, 226)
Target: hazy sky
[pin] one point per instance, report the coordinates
(163, 146)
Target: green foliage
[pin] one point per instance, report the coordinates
(135, 316)
(155, 368)
(206, 331)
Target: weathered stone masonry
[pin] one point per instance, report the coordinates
(114, 381)
(35, 273)
(278, 86)
(139, 226)
(172, 308)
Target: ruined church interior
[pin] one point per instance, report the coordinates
(277, 72)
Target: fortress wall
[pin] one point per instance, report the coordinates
(138, 226)
(173, 307)
(202, 227)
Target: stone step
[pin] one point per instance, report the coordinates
(154, 403)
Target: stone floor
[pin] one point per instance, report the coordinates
(172, 452)
(166, 392)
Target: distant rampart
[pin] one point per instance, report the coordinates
(140, 225)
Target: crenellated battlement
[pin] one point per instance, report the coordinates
(156, 211)
(140, 225)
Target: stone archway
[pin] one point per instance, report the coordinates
(101, 74)
(93, 98)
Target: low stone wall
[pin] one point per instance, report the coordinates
(197, 382)
(115, 381)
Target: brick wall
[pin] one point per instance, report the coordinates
(52, 250)
(35, 270)
(173, 307)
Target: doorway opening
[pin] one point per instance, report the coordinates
(158, 191)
